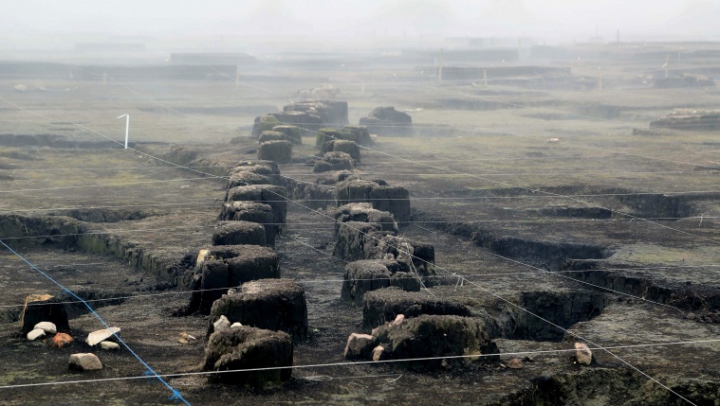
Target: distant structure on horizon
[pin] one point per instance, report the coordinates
(212, 58)
(109, 47)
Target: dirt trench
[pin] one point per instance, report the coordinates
(547, 314)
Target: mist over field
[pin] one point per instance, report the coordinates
(378, 202)
(47, 23)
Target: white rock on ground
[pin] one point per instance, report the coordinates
(185, 338)
(221, 324)
(398, 320)
(109, 345)
(358, 345)
(47, 327)
(236, 324)
(377, 353)
(99, 336)
(84, 362)
(583, 355)
(35, 334)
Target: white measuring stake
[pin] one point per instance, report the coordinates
(127, 128)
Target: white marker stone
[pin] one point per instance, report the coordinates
(101, 335)
(47, 327)
(35, 334)
(109, 345)
(84, 362)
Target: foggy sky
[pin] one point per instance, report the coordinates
(353, 19)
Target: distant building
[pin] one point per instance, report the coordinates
(213, 58)
(109, 47)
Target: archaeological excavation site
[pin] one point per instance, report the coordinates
(412, 219)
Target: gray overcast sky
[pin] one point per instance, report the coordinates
(359, 19)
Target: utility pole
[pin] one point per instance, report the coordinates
(127, 128)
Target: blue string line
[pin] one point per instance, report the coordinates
(150, 372)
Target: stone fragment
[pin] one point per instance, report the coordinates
(47, 327)
(398, 320)
(61, 340)
(377, 353)
(236, 324)
(84, 362)
(358, 346)
(583, 355)
(515, 363)
(109, 345)
(185, 338)
(99, 336)
(35, 334)
(221, 324)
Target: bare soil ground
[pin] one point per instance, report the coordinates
(623, 226)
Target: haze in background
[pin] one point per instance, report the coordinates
(338, 21)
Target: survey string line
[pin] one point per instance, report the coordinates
(521, 196)
(569, 278)
(321, 281)
(605, 288)
(613, 354)
(315, 211)
(577, 173)
(402, 174)
(587, 340)
(649, 377)
(358, 363)
(102, 185)
(171, 109)
(532, 267)
(294, 226)
(488, 291)
(176, 394)
(572, 199)
(520, 307)
(560, 274)
(616, 153)
(117, 206)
